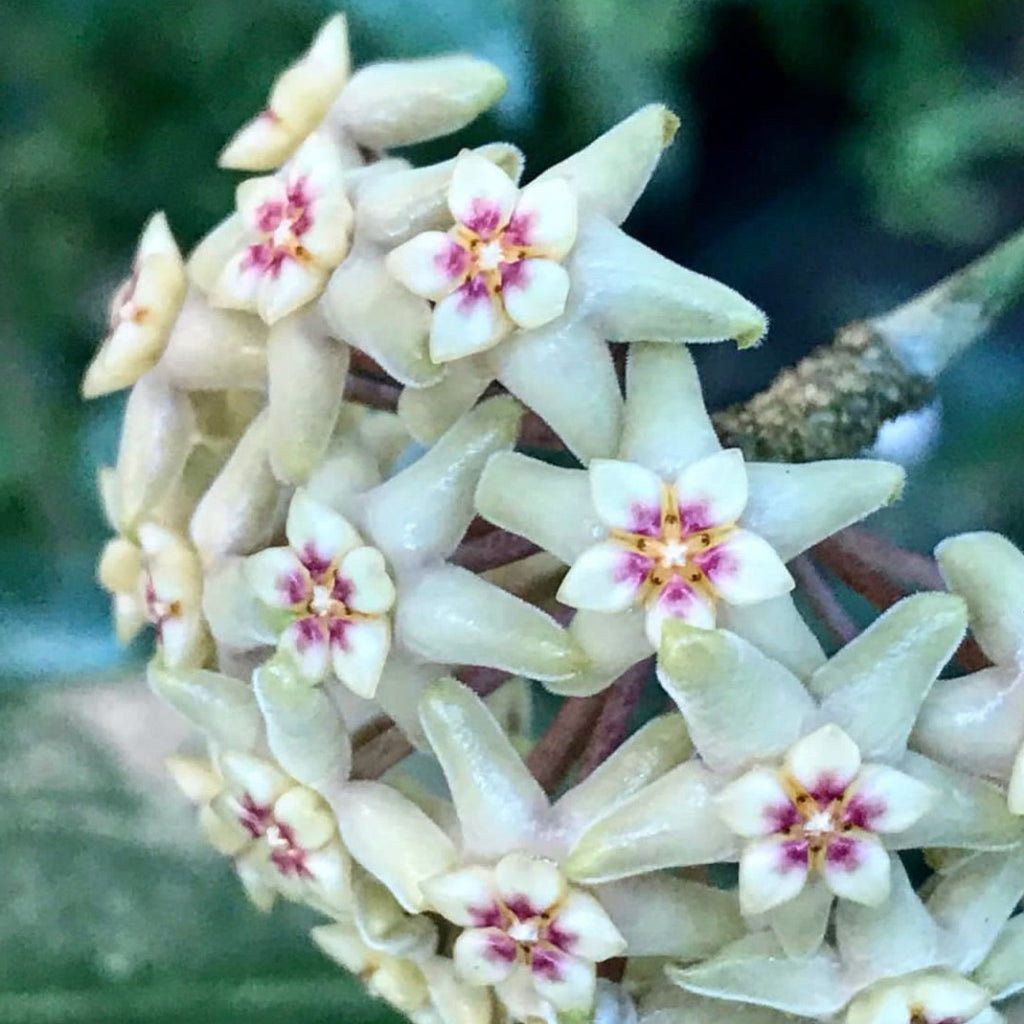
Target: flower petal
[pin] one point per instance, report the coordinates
(431, 265)
(857, 868)
(567, 982)
(528, 886)
(278, 578)
(363, 576)
(484, 956)
(238, 284)
(466, 897)
(680, 602)
(318, 534)
(545, 219)
(745, 569)
(306, 642)
(359, 649)
(481, 195)
(713, 490)
(627, 496)
(467, 321)
(882, 799)
(772, 871)
(824, 762)
(945, 995)
(583, 928)
(605, 578)
(250, 775)
(295, 284)
(307, 816)
(756, 804)
(534, 291)
(1015, 790)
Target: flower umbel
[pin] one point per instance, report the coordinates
(820, 813)
(335, 591)
(522, 916)
(674, 548)
(499, 267)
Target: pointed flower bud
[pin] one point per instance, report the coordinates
(142, 312)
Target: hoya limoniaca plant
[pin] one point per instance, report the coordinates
(385, 489)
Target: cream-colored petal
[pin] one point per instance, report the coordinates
(756, 804)
(307, 816)
(567, 982)
(630, 292)
(745, 569)
(306, 370)
(246, 773)
(545, 219)
(713, 490)
(670, 823)
(428, 412)
(466, 897)
(432, 264)
(584, 928)
(294, 285)
(778, 630)
(677, 602)
(278, 578)
(467, 321)
(1015, 789)
(318, 534)
(825, 761)
(305, 643)
(119, 566)
(261, 144)
(604, 578)
(368, 587)
(258, 199)
(795, 506)
(359, 650)
(857, 868)
(484, 956)
(241, 280)
(534, 292)
(626, 496)
(481, 195)
(528, 886)
(772, 871)
(882, 799)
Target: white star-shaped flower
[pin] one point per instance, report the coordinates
(674, 528)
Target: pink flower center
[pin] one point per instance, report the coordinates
(674, 549)
(158, 611)
(281, 223)
(285, 853)
(818, 824)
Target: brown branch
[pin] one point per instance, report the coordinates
(822, 599)
(612, 725)
(554, 753)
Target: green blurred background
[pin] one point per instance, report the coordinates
(834, 158)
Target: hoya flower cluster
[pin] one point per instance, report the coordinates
(333, 587)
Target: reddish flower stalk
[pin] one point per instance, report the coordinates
(559, 747)
(613, 723)
(822, 599)
(491, 550)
